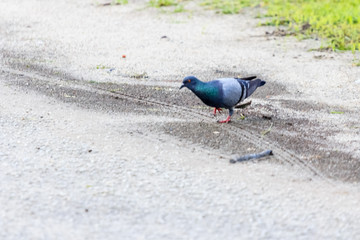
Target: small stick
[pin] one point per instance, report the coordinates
(243, 105)
(251, 156)
(267, 130)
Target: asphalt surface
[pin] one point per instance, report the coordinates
(96, 142)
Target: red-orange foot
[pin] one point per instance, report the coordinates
(226, 120)
(217, 109)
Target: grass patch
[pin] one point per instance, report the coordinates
(336, 112)
(230, 6)
(356, 62)
(179, 8)
(163, 3)
(335, 20)
(113, 2)
(100, 66)
(120, 2)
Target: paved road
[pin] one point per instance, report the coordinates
(83, 174)
(77, 166)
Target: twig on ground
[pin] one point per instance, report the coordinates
(243, 105)
(252, 156)
(267, 130)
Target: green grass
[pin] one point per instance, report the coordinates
(356, 62)
(338, 21)
(336, 112)
(120, 2)
(230, 6)
(163, 3)
(179, 8)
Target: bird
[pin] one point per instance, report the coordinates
(223, 92)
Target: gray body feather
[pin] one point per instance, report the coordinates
(231, 91)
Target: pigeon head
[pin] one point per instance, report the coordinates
(189, 82)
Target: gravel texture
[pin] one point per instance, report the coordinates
(78, 174)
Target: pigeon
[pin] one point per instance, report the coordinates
(223, 92)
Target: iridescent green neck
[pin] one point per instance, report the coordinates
(206, 90)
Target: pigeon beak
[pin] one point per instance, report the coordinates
(181, 86)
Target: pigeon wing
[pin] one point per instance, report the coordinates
(231, 92)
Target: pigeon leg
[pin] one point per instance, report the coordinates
(217, 109)
(231, 111)
(226, 120)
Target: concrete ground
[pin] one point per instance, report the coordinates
(96, 141)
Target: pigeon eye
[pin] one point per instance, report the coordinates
(189, 81)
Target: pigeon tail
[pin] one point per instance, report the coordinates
(247, 78)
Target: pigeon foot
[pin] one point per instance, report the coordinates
(217, 109)
(227, 120)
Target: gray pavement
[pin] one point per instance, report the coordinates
(82, 166)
